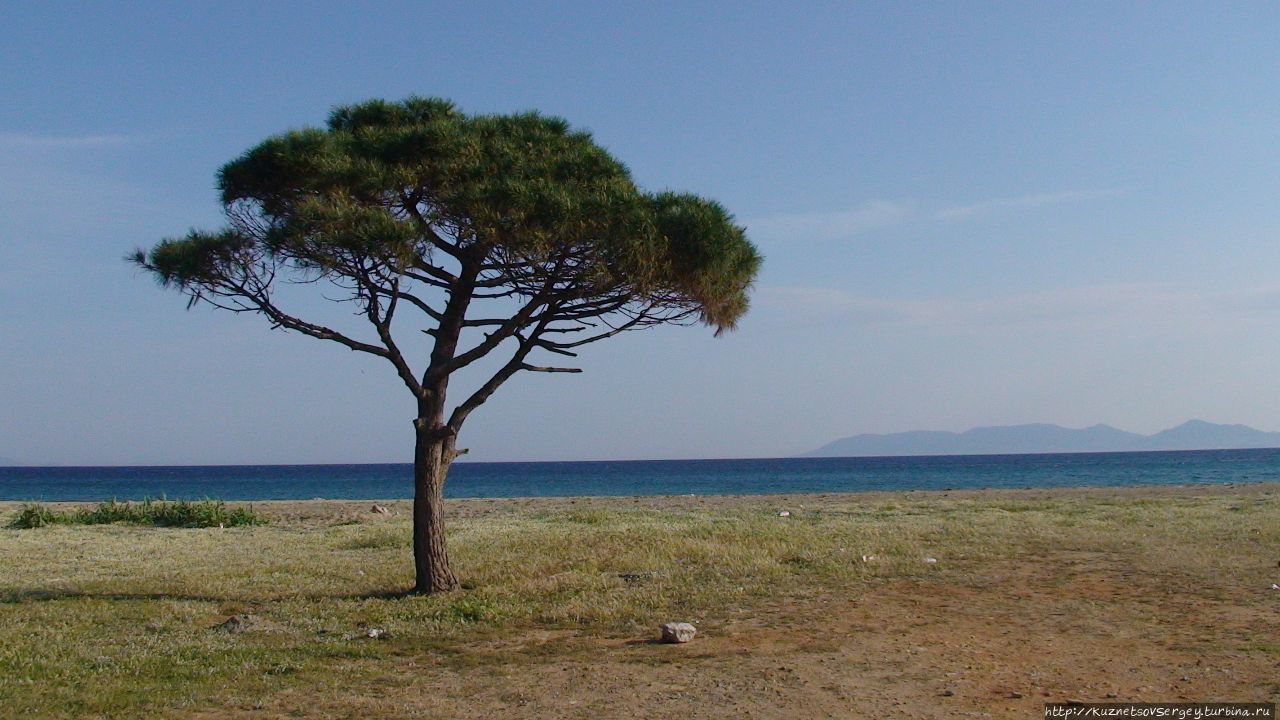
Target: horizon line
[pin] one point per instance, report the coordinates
(803, 457)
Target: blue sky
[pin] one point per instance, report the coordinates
(972, 214)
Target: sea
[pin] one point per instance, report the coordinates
(643, 477)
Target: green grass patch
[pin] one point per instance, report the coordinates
(160, 513)
(381, 539)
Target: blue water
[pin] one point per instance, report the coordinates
(657, 477)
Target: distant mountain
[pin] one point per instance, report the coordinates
(1044, 438)
(1201, 435)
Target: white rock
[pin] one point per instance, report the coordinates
(677, 632)
(784, 513)
(931, 560)
(379, 509)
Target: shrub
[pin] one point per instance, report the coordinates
(34, 516)
(160, 513)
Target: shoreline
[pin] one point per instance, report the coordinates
(315, 508)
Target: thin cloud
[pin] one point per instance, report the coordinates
(1025, 201)
(832, 225)
(1145, 304)
(876, 214)
(813, 302)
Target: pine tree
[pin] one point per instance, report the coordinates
(508, 234)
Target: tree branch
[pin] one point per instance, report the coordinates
(429, 233)
(382, 323)
(466, 407)
(537, 368)
(321, 332)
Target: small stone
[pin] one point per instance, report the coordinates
(381, 510)
(1014, 695)
(931, 560)
(784, 513)
(947, 693)
(677, 632)
(375, 633)
(869, 558)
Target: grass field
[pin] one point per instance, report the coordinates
(1152, 594)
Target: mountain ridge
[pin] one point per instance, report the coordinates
(1048, 438)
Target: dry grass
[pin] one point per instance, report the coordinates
(119, 621)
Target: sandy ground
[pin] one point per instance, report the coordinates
(906, 650)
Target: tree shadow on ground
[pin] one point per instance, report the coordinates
(20, 597)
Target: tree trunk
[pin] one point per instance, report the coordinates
(431, 460)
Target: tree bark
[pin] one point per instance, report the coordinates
(431, 459)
